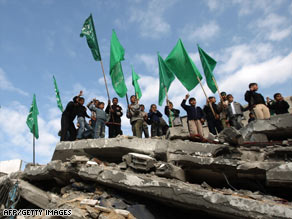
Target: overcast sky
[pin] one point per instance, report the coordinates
(250, 40)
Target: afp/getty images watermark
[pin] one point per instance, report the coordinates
(36, 212)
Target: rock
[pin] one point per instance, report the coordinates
(178, 132)
(140, 162)
(89, 202)
(280, 175)
(279, 127)
(79, 159)
(169, 170)
(231, 135)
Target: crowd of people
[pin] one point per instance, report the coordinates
(218, 116)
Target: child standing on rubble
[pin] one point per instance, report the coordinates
(154, 118)
(101, 118)
(81, 114)
(195, 116)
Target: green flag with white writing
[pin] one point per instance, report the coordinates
(166, 77)
(208, 64)
(183, 66)
(32, 118)
(59, 102)
(88, 30)
(117, 53)
(135, 79)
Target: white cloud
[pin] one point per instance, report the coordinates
(150, 61)
(151, 20)
(5, 84)
(237, 56)
(216, 5)
(203, 32)
(273, 27)
(272, 71)
(290, 8)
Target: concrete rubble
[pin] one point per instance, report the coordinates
(123, 177)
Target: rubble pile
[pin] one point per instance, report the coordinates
(101, 178)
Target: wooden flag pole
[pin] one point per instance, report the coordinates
(33, 145)
(104, 79)
(206, 96)
(127, 99)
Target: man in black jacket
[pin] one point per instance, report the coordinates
(256, 102)
(280, 106)
(67, 119)
(213, 121)
(195, 116)
(114, 124)
(172, 114)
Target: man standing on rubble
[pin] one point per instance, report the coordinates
(222, 108)
(68, 116)
(135, 116)
(256, 102)
(115, 113)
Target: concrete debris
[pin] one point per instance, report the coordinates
(139, 161)
(279, 127)
(121, 177)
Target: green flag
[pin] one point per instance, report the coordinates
(116, 72)
(59, 102)
(208, 64)
(166, 77)
(32, 118)
(183, 66)
(135, 79)
(88, 30)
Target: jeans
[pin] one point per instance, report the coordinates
(145, 130)
(82, 125)
(114, 130)
(213, 125)
(156, 129)
(99, 128)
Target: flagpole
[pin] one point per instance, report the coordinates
(33, 145)
(105, 80)
(167, 102)
(206, 96)
(127, 99)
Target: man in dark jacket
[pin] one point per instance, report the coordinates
(67, 119)
(81, 114)
(256, 102)
(116, 112)
(154, 117)
(279, 106)
(195, 116)
(213, 121)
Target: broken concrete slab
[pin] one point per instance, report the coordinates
(215, 202)
(178, 132)
(111, 149)
(140, 162)
(169, 170)
(231, 135)
(280, 176)
(279, 127)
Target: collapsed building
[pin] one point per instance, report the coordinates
(246, 174)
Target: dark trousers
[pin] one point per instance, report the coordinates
(67, 125)
(214, 124)
(235, 121)
(156, 130)
(114, 130)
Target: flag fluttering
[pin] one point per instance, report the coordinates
(117, 53)
(32, 118)
(166, 77)
(208, 64)
(183, 66)
(135, 79)
(59, 102)
(88, 30)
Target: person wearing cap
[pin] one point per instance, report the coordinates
(222, 108)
